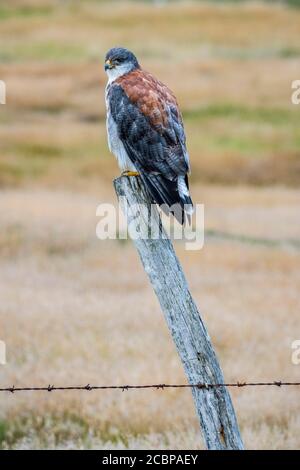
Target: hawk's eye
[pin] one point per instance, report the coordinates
(117, 61)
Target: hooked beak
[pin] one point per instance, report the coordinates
(108, 65)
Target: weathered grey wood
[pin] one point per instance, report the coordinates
(214, 407)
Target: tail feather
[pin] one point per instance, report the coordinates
(169, 195)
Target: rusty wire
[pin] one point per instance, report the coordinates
(203, 386)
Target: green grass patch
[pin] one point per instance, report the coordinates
(25, 11)
(274, 116)
(42, 51)
(240, 130)
(14, 172)
(53, 430)
(3, 431)
(39, 150)
(45, 430)
(244, 53)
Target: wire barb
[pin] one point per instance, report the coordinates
(162, 386)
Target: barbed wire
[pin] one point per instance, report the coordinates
(163, 386)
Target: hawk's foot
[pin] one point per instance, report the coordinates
(130, 173)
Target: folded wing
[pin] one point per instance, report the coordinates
(149, 124)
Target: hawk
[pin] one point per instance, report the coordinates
(146, 134)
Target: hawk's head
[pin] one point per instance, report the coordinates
(119, 61)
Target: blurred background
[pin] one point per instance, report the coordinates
(76, 310)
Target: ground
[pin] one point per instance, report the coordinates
(76, 310)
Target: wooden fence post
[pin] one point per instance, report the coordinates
(214, 407)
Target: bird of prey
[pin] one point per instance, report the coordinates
(145, 132)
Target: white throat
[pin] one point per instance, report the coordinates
(118, 71)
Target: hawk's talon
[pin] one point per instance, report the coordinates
(130, 173)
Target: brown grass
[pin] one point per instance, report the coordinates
(231, 68)
(72, 314)
(75, 310)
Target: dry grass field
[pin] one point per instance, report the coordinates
(76, 310)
